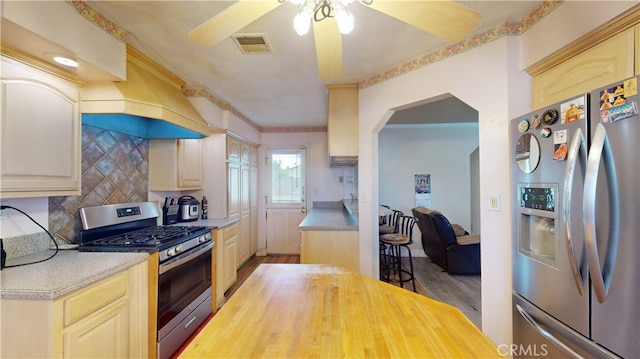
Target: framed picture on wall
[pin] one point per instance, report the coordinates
(423, 190)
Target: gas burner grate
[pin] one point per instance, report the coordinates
(150, 237)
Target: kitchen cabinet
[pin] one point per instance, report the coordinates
(233, 188)
(338, 248)
(175, 165)
(244, 246)
(233, 149)
(242, 171)
(611, 60)
(253, 243)
(230, 243)
(106, 319)
(41, 130)
(342, 124)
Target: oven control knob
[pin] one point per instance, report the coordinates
(171, 252)
(178, 249)
(201, 239)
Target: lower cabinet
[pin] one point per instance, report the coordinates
(230, 244)
(339, 248)
(107, 319)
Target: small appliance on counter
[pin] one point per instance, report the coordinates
(170, 211)
(188, 209)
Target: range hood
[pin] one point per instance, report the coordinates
(149, 104)
(343, 161)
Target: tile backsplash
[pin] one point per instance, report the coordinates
(115, 169)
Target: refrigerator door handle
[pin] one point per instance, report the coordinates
(577, 152)
(601, 277)
(538, 328)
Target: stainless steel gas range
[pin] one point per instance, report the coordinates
(184, 257)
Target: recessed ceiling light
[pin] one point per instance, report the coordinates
(65, 61)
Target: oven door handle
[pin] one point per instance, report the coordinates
(175, 262)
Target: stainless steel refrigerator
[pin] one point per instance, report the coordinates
(576, 226)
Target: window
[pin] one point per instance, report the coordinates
(287, 176)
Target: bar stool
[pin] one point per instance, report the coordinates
(388, 224)
(393, 253)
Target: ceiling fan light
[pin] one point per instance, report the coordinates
(345, 20)
(302, 22)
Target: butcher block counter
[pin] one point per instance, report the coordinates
(322, 311)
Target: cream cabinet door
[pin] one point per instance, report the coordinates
(175, 165)
(230, 274)
(102, 335)
(40, 133)
(253, 243)
(244, 238)
(605, 63)
(189, 163)
(233, 194)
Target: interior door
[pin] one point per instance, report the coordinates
(286, 199)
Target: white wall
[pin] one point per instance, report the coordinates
(441, 150)
(489, 79)
(17, 224)
(486, 91)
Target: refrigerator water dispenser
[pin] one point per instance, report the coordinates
(537, 235)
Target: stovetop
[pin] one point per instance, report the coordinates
(132, 227)
(151, 237)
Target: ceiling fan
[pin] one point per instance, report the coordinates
(443, 18)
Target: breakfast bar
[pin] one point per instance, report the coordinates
(323, 311)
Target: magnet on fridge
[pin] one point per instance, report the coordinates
(523, 126)
(545, 132)
(560, 151)
(535, 121)
(550, 117)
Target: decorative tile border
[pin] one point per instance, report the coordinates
(505, 29)
(200, 92)
(294, 129)
(102, 22)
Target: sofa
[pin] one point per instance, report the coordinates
(448, 245)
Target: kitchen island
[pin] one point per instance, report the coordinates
(322, 311)
(329, 235)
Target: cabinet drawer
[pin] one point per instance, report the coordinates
(230, 231)
(89, 300)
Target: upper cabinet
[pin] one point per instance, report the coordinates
(583, 66)
(175, 165)
(342, 125)
(40, 132)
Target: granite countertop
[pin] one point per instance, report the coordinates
(68, 271)
(211, 222)
(331, 217)
(351, 205)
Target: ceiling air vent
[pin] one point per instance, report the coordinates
(252, 43)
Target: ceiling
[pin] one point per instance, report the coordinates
(282, 88)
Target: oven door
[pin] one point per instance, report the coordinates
(184, 297)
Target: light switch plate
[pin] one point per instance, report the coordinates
(494, 202)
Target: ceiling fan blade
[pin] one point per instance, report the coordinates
(231, 20)
(328, 48)
(443, 18)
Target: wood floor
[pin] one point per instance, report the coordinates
(462, 292)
